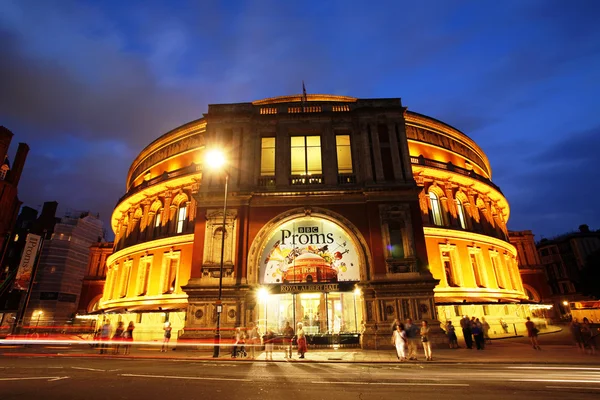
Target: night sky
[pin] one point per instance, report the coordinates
(88, 84)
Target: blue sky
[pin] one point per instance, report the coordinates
(88, 84)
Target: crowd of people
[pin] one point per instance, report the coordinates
(584, 336)
(406, 338)
(121, 337)
(251, 338)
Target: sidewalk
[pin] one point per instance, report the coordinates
(502, 351)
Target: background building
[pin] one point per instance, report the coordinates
(9, 182)
(563, 259)
(400, 208)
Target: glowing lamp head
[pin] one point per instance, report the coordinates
(565, 303)
(40, 312)
(262, 294)
(215, 159)
(357, 292)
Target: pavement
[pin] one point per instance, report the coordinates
(555, 349)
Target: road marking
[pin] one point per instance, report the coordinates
(556, 380)
(58, 378)
(203, 378)
(573, 387)
(390, 383)
(90, 369)
(559, 368)
(30, 378)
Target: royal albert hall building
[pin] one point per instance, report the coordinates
(342, 214)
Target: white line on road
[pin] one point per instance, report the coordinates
(187, 377)
(556, 380)
(29, 378)
(573, 387)
(559, 368)
(58, 378)
(90, 369)
(391, 383)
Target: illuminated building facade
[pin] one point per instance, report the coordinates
(340, 210)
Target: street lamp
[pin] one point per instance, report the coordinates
(39, 314)
(215, 160)
(356, 294)
(263, 297)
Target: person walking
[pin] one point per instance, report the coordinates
(532, 332)
(301, 339)
(288, 339)
(465, 324)
(412, 335)
(400, 341)
(105, 332)
(269, 340)
(575, 329)
(451, 332)
(253, 339)
(486, 331)
(477, 331)
(128, 337)
(425, 340)
(587, 336)
(167, 336)
(118, 336)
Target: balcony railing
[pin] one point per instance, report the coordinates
(346, 179)
(296, 180)
(427, 162)
(266, 181)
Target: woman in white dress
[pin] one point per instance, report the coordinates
(400, 342)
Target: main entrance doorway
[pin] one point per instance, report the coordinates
(328, 318)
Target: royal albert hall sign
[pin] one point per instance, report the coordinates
(309, 250)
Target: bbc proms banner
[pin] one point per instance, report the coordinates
(309, 250)
(30, 251)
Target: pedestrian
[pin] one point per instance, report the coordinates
(269, 340)
(465, 324)
(400, 341)
(587, 336)
(477, 331)
(575, 329)
(253, 340)
(118, 336)
(128, 337)
(288, 340)
(301, 340)
(167, 336)
(105, 332)
(412, 336)
(425, 340)
(532, 332)
(451, 332)
(486, 331)
(239, 344)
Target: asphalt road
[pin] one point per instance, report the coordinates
(111, 379)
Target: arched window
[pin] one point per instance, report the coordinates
(182, 218)
(157, 222)
(461, 214)
(436, 209)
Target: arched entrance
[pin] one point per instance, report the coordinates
(308, 268)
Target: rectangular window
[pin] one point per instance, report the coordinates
(476, 270)
(267, 156)
(497, 272)
(448, 269)
(306, 155)
(124, 281)
(396, 246)
(169, 276)
(181, 217)
(144, 275)
(344, 154)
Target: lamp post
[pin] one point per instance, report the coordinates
(216, 160)
(39, 314)
(356, 293)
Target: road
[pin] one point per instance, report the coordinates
(111, 379)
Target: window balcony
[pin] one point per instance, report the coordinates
(300, 180)
(346, 179)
